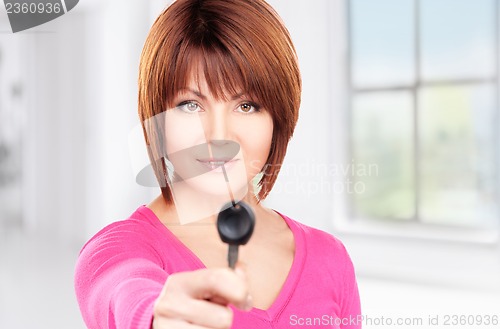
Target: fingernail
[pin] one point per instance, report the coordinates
(248, 303)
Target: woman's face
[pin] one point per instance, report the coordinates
(210, 140)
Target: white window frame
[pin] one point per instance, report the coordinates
(403, 251)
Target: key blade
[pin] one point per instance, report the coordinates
(232, 255)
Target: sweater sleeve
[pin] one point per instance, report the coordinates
(118, 277)
(350, 306)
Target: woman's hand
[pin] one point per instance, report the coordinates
(200, 299)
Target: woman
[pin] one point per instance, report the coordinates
(219, 93)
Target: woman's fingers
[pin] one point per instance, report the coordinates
(201, 297)
(224, 285)
(164, 323)
(195, 311)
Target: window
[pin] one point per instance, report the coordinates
(424, 108)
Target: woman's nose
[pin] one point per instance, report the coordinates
(217, 126)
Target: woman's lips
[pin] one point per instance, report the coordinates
(217, 164)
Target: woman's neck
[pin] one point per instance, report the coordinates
(198, 208)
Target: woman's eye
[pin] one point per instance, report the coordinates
(189, 107)
(248, 108)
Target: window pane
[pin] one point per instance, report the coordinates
(383, 137)
(457, 148)
(382, 42)
(457, 39)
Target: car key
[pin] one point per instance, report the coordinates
(235, 224)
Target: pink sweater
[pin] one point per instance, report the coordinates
(122, 269)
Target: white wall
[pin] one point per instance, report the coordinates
(300, 192)
(83, 104)
(115, 34)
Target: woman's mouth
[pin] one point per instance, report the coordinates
(217, 164)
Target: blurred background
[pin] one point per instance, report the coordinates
(396, 152)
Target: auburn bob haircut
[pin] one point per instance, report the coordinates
(237, 45)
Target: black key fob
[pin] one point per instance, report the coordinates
(235, 225)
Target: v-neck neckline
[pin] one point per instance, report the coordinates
(292, 278)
